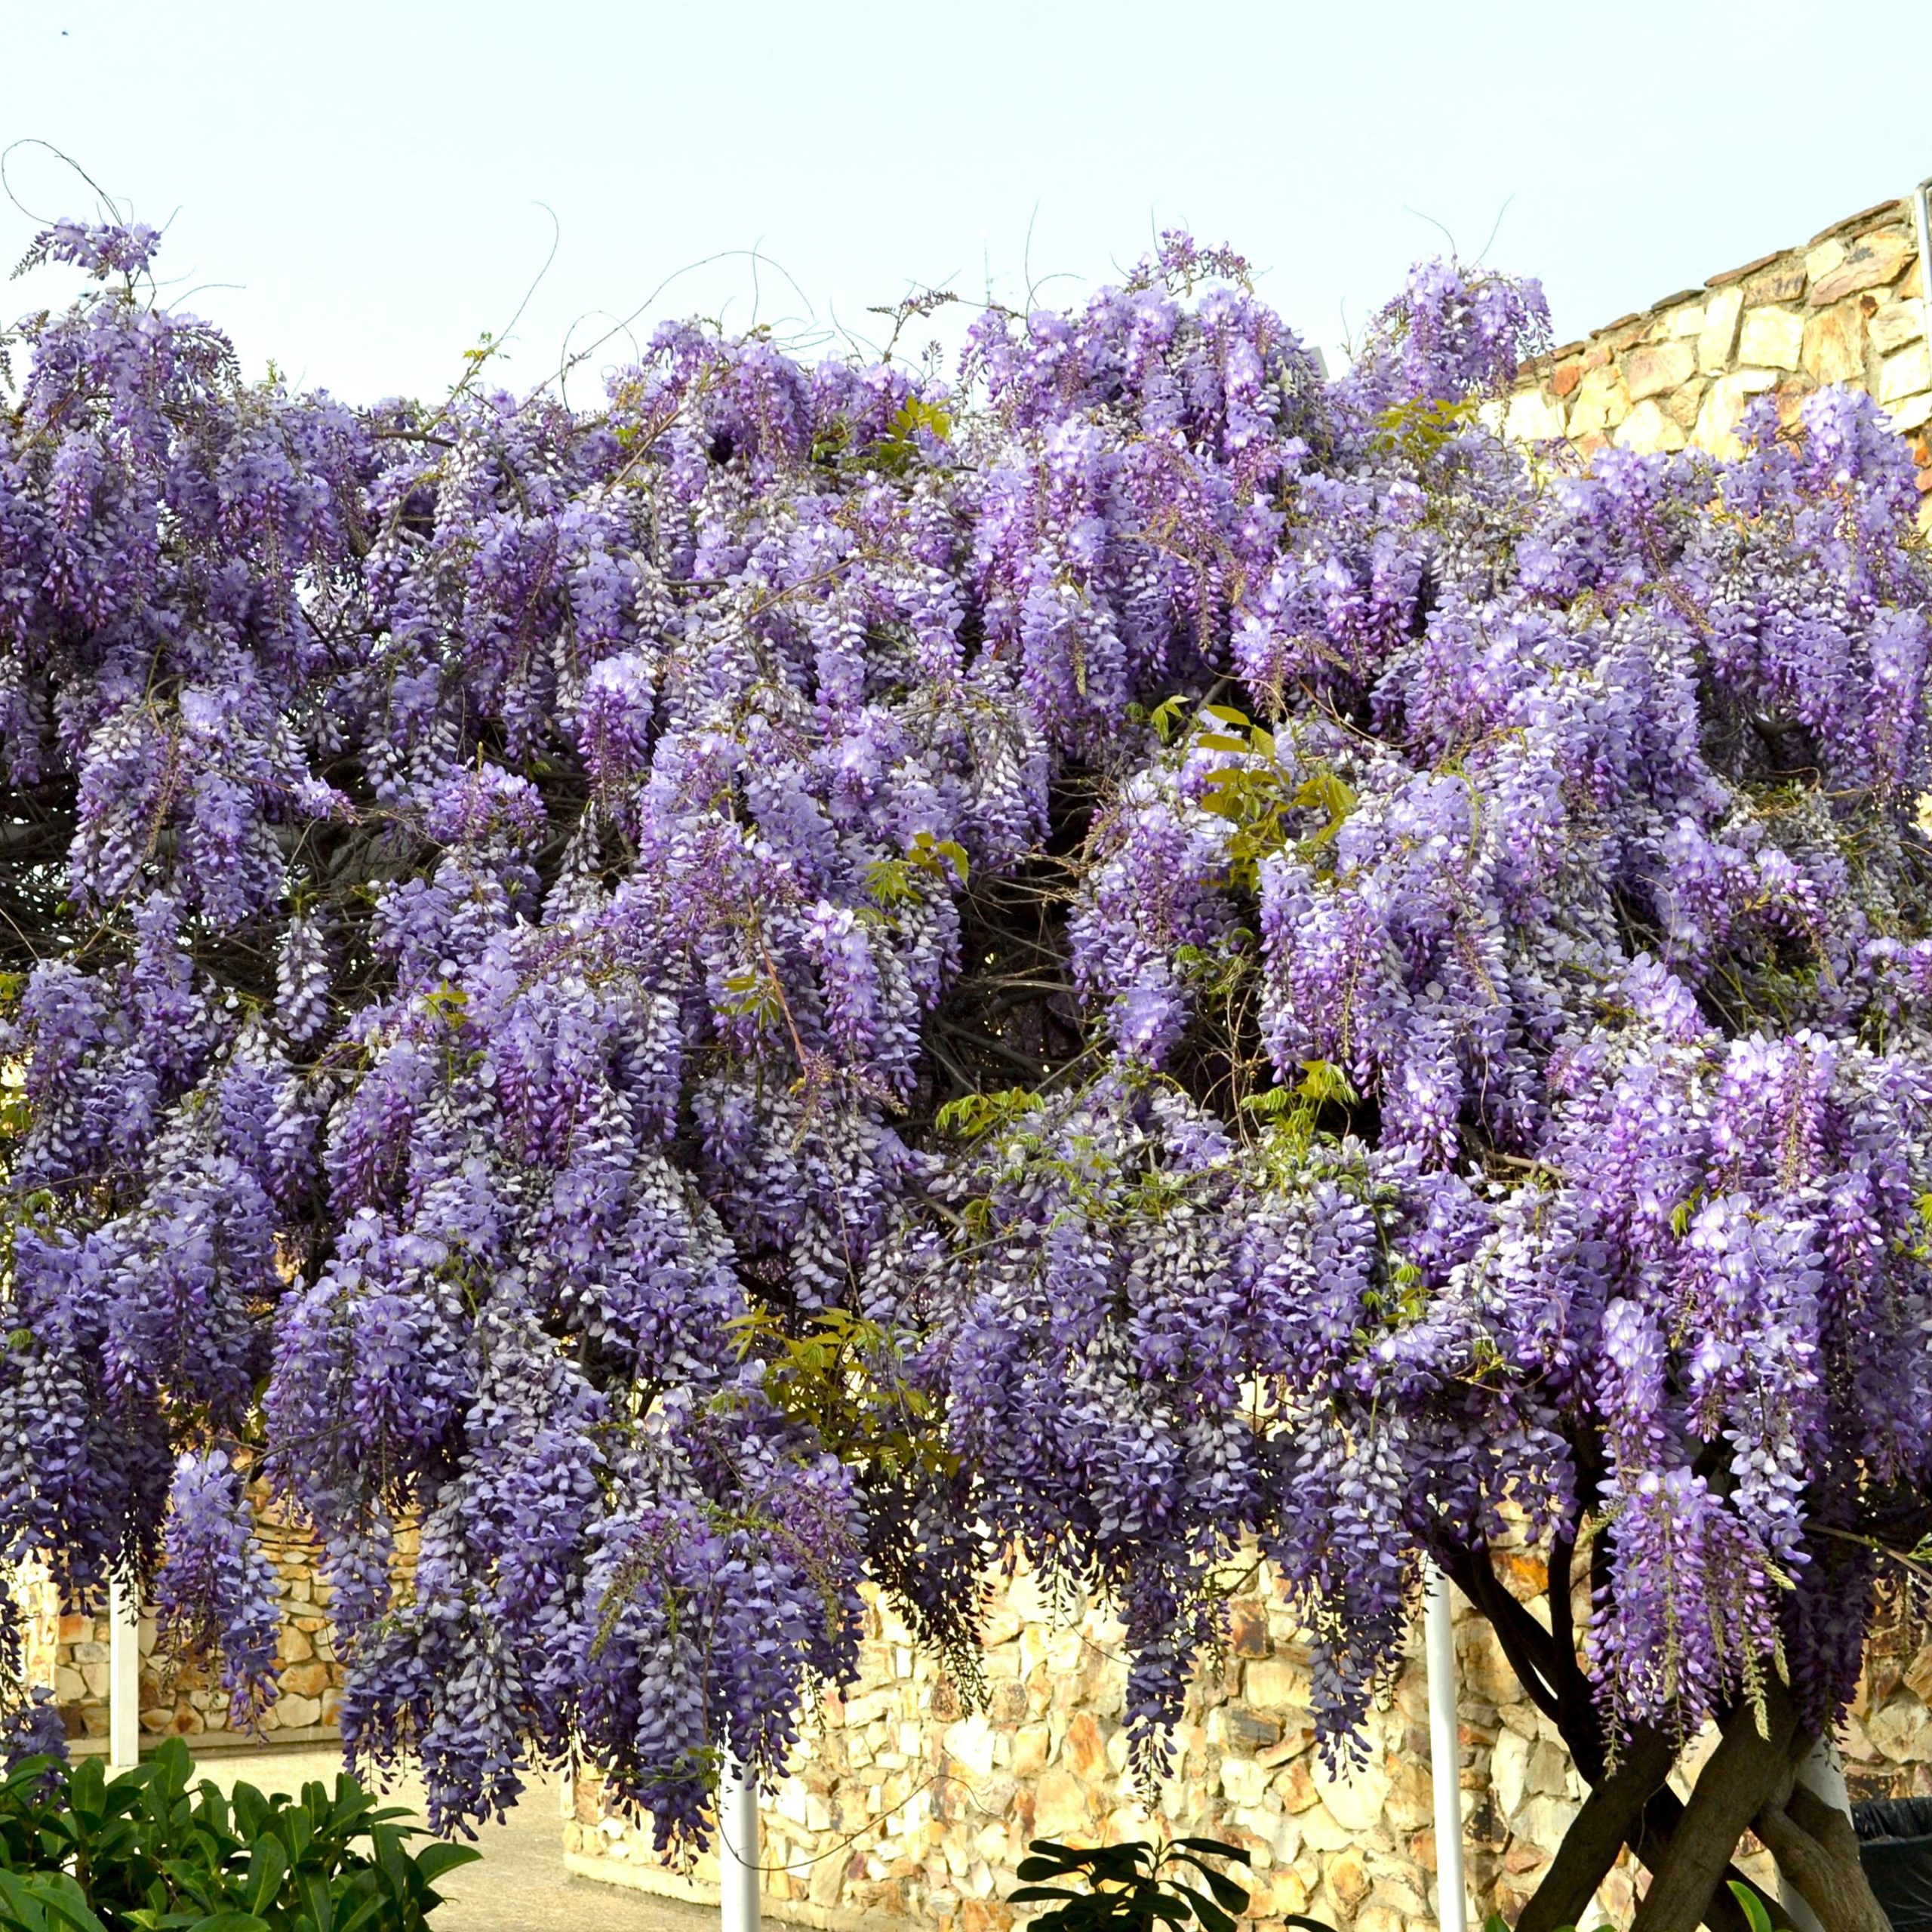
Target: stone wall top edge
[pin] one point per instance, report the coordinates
(1879, 216)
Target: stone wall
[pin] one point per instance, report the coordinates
(68, 1649)
(902, 1805)
(1845, 307)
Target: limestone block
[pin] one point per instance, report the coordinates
(1295, 1786)
(1379, 1919)
(1321, 1831)
(1271, 1683)
(1396, 1891)
(1646, 429)
(1834, 348)
(1602, 401)
(1290, 1891)
(1726, 401)
(1001, 1624)
(1534, 417)
(1682, 405)
(1248, 1628)
(1719, 337)
(1868, 262)
(1243, 1781)
(1032, 1745)
(996, 1797)
(1688, 320)
(1782, 281)
(306, 1680)
(1066, 1652)
(1411, 1803)
(1771, 338)
(867, 1708)
(827, 1882)
(1649, 372)
(1904, 374)
(970, 1744)
(1898, 1729)
(1284, 1836)
(1541, 1822)
(296, 1713)
(1549, 1768)
(1060, 1806)
(1897, 324)
(1826, 258)
(1248, 1733)
(1509, 1771)
(1354, 1797)
(1346, 1878)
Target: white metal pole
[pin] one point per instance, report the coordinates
(123, 1676)
(1445, 1754)
(737, 1849)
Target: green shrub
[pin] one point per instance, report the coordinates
(1132, 1888)
(144, 1852)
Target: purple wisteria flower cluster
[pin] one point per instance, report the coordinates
(1296, 978)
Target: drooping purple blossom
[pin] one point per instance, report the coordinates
(517, 886)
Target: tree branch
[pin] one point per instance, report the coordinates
(1746, 1768)
(1612, 1816)
(1817, 1849)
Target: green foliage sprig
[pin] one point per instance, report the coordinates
(1132, 1886)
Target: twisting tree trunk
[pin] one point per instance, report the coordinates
(1748, 1767)
(1612, 1816)
(1630, 1802)
(1817, 1850)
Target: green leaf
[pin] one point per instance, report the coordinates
(1209, 1914)
(1226, 1892)
(435, 1860)
(1323, 1080)
(1751, 1905)
(268, 1866)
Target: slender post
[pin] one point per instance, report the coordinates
(123, 1676)
(1445, 1754)
(737, 1849)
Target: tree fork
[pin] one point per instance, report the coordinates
(1817, 1849)
(1612, 1816)
(1549, 1672)
(1749, 1767)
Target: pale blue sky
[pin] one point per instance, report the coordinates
(367, 174)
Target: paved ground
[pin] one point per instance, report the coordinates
(519, 1885)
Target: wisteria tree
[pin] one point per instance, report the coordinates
(1137, 955)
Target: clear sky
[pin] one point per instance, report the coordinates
(364, 179)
